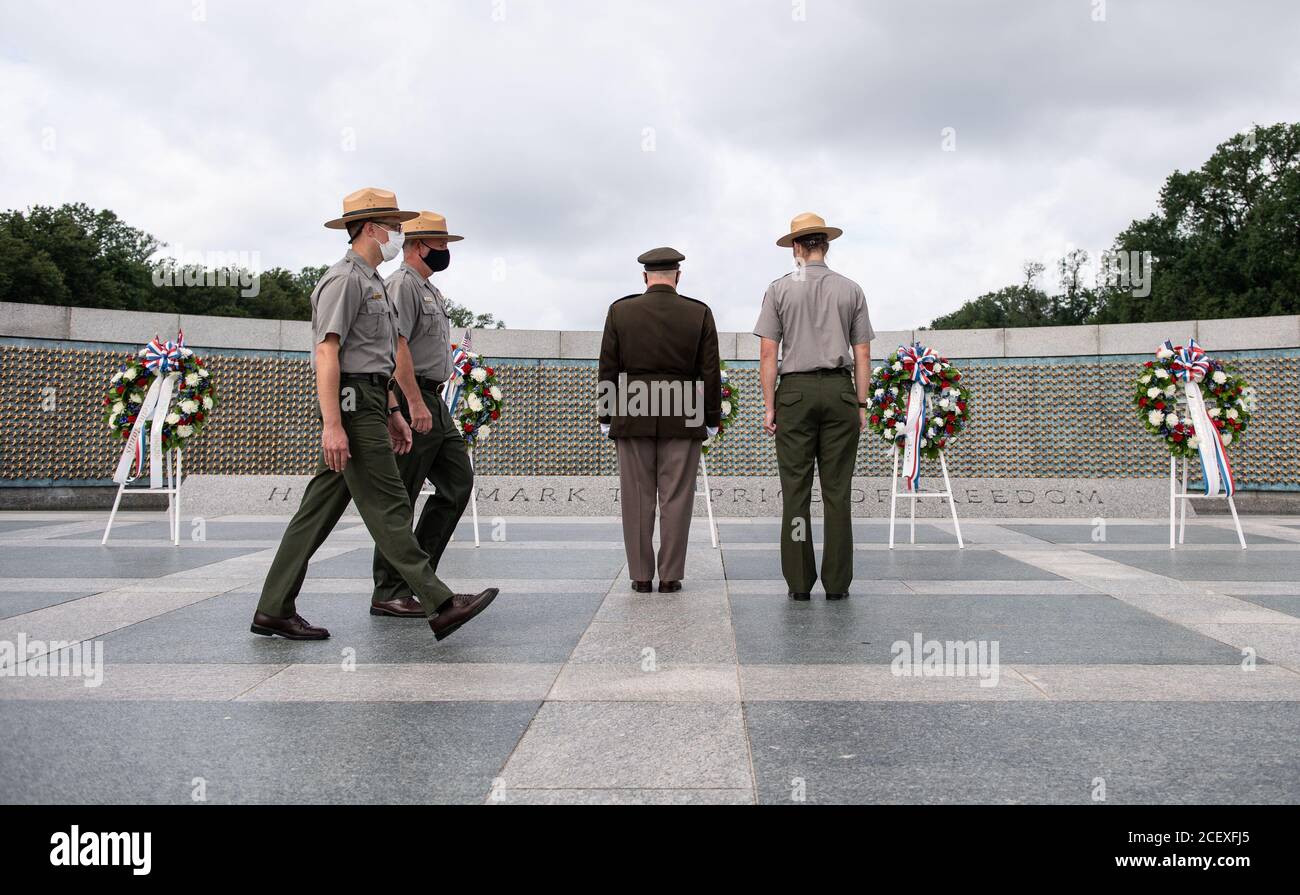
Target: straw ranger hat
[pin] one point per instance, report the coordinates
(807, 224)
(428, 225)
(367, 204)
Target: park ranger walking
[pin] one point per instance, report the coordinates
(438, 453)
(819, 320)
(659, 343)
(354, 331)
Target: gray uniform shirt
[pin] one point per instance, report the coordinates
(350, 301)
(817, 318)
(422, 320)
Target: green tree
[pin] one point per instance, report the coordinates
(1225, 241)
(462, 317)
(1021, 305)
(75, 255)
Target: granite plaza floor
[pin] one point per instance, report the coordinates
(1121, 668)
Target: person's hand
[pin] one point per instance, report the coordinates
(399, 433)
(421, 417)
(769, 421)
(334, 444)
(863, 426)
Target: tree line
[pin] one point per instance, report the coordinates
(76, 255)
(1224, 242)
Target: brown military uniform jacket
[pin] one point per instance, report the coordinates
(662, 337)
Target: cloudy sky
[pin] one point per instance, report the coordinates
(564, 137)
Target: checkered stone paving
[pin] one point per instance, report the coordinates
(1079, 666)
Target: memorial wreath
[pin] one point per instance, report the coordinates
(945, 408)
(730, 409)
(164, 381)
(476, 398)
(1219, 405)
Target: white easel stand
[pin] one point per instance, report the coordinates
(473, 499)
(945, 494)
(708, 502)
(172, 464)
(1175, 496)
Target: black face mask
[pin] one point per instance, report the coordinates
(437, 259)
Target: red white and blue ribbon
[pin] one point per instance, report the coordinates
(456, 384)
(163, 359)
(918, 362)
(1190, 365)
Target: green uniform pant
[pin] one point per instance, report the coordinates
(372, 481)
(439, 457)
(817, 421)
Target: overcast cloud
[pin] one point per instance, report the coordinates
(238, 126)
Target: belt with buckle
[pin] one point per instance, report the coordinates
(432, 385)
(372, 378)
(834, 371)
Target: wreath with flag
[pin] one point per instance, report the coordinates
(190, 401)
(1222, 393)
(944, 406)
(730, 409)
(475, 395)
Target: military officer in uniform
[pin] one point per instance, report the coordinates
(438, 452)
(819, 321)
(661, 342)
(354, 331)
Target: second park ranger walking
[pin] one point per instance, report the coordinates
(438, 454)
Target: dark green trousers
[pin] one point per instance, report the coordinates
(439, 457)
(371, 480)
(817, 421)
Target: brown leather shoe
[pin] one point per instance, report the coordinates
(643, 587)
(458, 610)
(398, 607)
(670, 587)
(295, 628)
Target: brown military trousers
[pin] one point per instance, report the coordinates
(657, 472)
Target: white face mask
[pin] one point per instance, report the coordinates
(393, 247)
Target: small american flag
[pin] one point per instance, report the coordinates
(459, 358)
(461, 354)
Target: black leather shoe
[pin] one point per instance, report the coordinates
(398, 607)
(670, 587)
(843, 596)
(643, 587)
(458, 610)
(295, 628)
(801, 598)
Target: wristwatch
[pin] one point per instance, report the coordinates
(396, 408)
(864, 404)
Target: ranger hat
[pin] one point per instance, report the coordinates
(428, 225)
(369, 203)
(807, 224)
